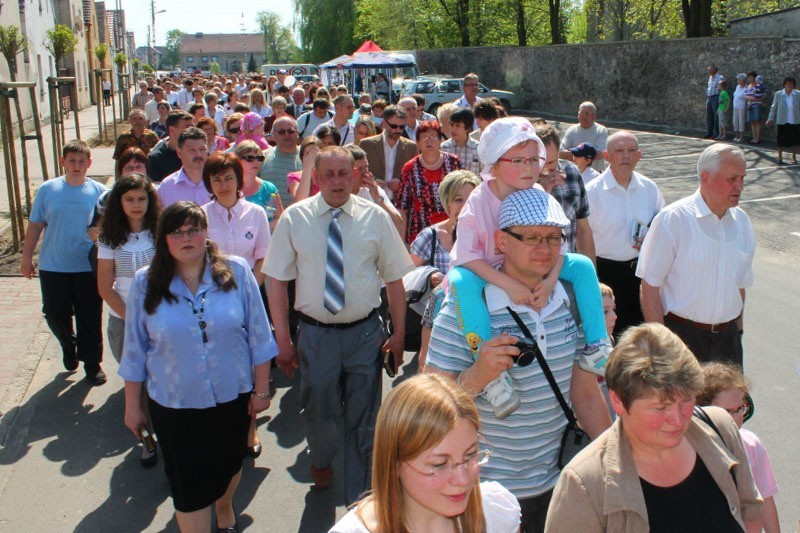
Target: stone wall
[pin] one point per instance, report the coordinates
(658, 85)
(785, 23)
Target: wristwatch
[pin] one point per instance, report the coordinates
(262, 395)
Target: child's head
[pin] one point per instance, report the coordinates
(583, 155)
(76, 158)
(609, 307)
(723, 85)
(726, 387)
(511, 152)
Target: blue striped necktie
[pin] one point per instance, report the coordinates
(334, 268)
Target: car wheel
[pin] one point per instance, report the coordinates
(434, 108)
(506, 105)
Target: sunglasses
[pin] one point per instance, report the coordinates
(234, 130)
(251, 158)
(394, 126)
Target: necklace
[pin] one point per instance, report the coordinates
(199, 315)
(432, 166)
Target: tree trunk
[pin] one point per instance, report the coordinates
(697, 17)
(522, 32)
(555, 21)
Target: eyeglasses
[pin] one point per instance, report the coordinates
(445, 471)
(251, 158)
(191, 233)
(470, 85)
(394, 126)
(429, 138)
(537, 162)
(287, 131)
(537, 240)
(741, 410)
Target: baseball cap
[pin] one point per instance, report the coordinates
(531, 207)
(584, 150)
(364, 109)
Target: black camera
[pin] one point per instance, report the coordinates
(527, 353)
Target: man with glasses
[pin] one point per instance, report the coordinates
(622, 204)
(283, 158)
(525, 443)
(389, 151)
(563, 180)
(470, 98)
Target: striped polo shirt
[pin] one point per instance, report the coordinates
(525, 444)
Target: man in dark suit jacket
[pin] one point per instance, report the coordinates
(401, 149)
(297, 105)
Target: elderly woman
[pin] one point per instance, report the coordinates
(658, 468)
(426, 465)
(216, 143)
(785, 112)
(278, 110)
(417, 197)
(197, 336)
(739, 107)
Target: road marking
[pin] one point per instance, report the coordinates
(796, 234)
(787, 197)
(697, 154)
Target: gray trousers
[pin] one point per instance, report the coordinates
(115, 333)
(341, 374)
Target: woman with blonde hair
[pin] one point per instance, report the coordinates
(258, 104)
(426, 467)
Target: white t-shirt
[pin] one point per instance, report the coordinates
(135, 253)
(500, 509)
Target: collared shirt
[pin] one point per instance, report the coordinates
(600, 490)
(698, 260)
(572, 197)
(467, 154)
(596, 135)
(178, 187)
(151, 110)
(615, 209)
(462, 102)
(589, 174)
(712, 88)
(525, 444)
(172, 98)
(184, 99)
(372, 250)
(347, 131)
(389, 156)
(139, 99)
(166, 349)
(276, 168)
(219, 117)
(246, 234)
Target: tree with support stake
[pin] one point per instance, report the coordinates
(60, 42)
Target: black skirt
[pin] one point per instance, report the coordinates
(788, 135)
(203, 449)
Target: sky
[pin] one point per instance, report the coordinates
(192, 16)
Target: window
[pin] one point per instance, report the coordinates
(214, 58)
(189, 59)
(425, 87)
(205, 59)
(452, 86)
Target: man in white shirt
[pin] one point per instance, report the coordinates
(344, 107)
(697, 260)
(214, 111)
(170, 95)
(151, 107)
(366, 186)
(389, 151)
(470, 88)
(585, 131)
(622, 203)
(185, 97)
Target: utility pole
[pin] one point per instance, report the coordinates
(243, 68)
(152, 45)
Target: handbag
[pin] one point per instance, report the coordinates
(574, 438)
(418, 287)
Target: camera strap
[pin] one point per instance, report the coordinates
(545, 368)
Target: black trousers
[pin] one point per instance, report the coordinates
(65, 294)
(621, 277)
(534, 512)
(725, 346)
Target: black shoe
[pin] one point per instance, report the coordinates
(95, 375)
(69, 358)
(234, 528)
(254, 451)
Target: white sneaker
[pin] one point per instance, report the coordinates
(594, 356)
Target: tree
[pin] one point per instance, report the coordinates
(458, 11)
(214, 67)
(120, 60)
(60, 42)
(101, 52)
(148, 68)
(279, 43)
(697, 17)
(251, 65)
(326, 28)
(172, 55)
(12, 44)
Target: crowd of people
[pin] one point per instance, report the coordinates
(259, 223)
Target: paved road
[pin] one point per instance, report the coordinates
(66, 462)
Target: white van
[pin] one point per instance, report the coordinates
(300, 69)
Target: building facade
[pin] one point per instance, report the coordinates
(231, 50)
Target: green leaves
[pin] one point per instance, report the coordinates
(60, 41)
(172, 55)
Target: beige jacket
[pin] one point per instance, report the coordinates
(599, 490)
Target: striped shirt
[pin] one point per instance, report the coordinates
(467, 154)
(713, 84)
(276, 168)
(133, 254)
(525, 444)
(698, 260)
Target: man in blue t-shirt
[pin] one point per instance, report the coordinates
(69, 287)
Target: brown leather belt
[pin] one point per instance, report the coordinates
(713, 328)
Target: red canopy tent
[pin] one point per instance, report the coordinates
(369, 46)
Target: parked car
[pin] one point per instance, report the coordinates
(438, 91)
